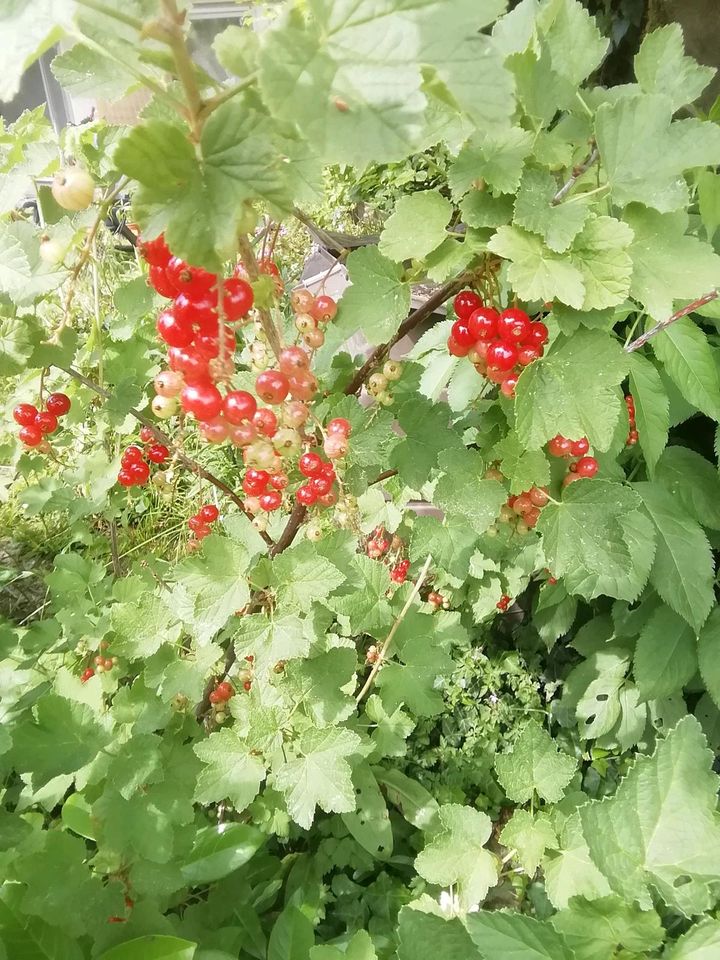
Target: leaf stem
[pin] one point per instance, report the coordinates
(227, 94)
(577, 172)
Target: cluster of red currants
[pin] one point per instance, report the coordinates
(382, 545)
(582, 468)
(36, 424)
(103, 664)
(399, 572)
(499, 345)
(527, 506)
(222, 693)
(200, 523)
(135, 461)
(633, 436)
(437, 600)
(503, 603)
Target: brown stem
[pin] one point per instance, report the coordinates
(247, 255)
(578, 171)
(416, 317)
(183, 63)
(385, 475)
(678, 315)
(162, 437)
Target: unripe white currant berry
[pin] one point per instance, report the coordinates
(492, 531)
(51, 251)
(287, 441)
(260, 522)
(73, 188)
(304, 322)
(392, 370)
(164, 407)
(377, 382)
(252, 504)
(313, 531)
(386, 399)
(220, 716)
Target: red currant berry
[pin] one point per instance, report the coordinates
(238, 406)
(513, 325)
(191, 280)
(147, 434)
(255, 482)
(303, 385)
(482, 323)
(328, 499)
(155, 252)
(247, 686)
(460, 334)
(293, 359)
(531, 517)
(24, 414)
(272, 386)
(538, 333)
(321, 485)
(279, 481)
(306, 495)
(192, 366)
(225, 690)
(580, 447)
(310, 465)
(203, 400)
(339, 425)
(131, 454)
(46, 421)
(268, 266)
(539, 496)
(501, 355)
(507, 387)
(271, 500)
(174, 332)
(161, 283)
(455, 349)
(199, 313)
(209, 513)
(31, 436)
(157, 453)
(398, 574)
(58, 404)
(214, 697)
(323, 309)
(238, 299)
(465, 303)
(86, 674)
(521, 504)
(265, 422)
(559, 446)
(587, 467)
(527, 355)
(124, 478)
(138, 471)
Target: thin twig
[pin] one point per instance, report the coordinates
(678, 315)
(393, 630)
(417, 316)
(578, 172)
(247, 255)
(227, 94)
(162, 437)
(385, 475)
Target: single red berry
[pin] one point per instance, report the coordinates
(265, 422)
(538, 333)
(526, 355)
(255, 482)
(46, 422)
(513, 325)
(161, 283)
(460, 333)
(456, 349)
(209, 513)
(309, 464)
(306, 495)
(482, 323)
(174, 332)
(502, 355)
(58, 404)
(303, 385)
(521, 504)
(323, 308)
(587, 467)
(155, 252)
(398, 574)
(495, 375)
(86, 674)
(139, 472)
(147, 434)
(532, 517)
(507, 387)
(131, 454)
(272, 386)
(327, 470)
(339, 425)
(559, 446)
(200, 313)
(157, 453)
(321, 485)
(570, 478)
(580, 447)
(214, 697)
(202, 530)
(279, 481)
(191, 280)
(465, 303)
(203, 400)
(124, 478)
(268, 266)
(238, 298)
(271, 500)
(24, 414)
(225, 690)
(238, 406)
(293, 359)
(633, 438)
(247, 685)
(539, 496)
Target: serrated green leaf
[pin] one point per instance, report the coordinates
(416, 804)
(143, 626)
(495, 158)
(426, 436)
(662, 67)
(85, 72)
(449, 544)
(596, 929)
(15, 345)
(317, 685)
(152, 948)
(572, 36)
(534, 765)
(425, 936)
(670, 838)
(210, 586)
(389, 730)
(301, 576)
(231, 773)
(500, 934)
(271, 640)
(365, 605)
(665, 657)
(683, 570)
(457, 854)
(523, 468)
(652, 408)
(708, 652)
(557, 225)
(480, 209)
(529, 836)
(554, 613)
(708, 187)
(416, 226)
(535, 271)
(700, 498)
(14, 265)
(570, 872)
(601, 253)
(701, 942)
(687, 357)
(29, 937)
(462, 493)
(292, 935)
(378, 300)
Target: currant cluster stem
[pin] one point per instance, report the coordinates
(678, 315)
(247, 255)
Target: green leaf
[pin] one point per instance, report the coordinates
(572, 391)
(597, 929)
(557, 225)
(709, 655)
(700, 499)
(301, 576)
(15, 345)
(370, 823)
(389, 730)
(535, 271)
(292, 936)
(534, 765)
(683, 570)
(571, 34)
(231, 772)
(462, 493)
(688, 359)
(143, 626)
(662, 67)
(554, 613)
(416, 804)
(530, 837)
(665, 657)
(219, 850)
(152, 948)
(27, 33)
(660, 827)
(570, 872)
(426, 435)
(416, 226)
(319, 775)
(450, 544)
(632, 127)
(321, 684)
(84, 72)
(495, 158)
(14, 265)
(76, 815)
(425, 936)
(701, 942)
(591, 694)
(28, 937)
(378, 300)
(523, 468)
(480, 209)
(64, 737)
(667, 264)
(360, 947)
(500, 935)
(708, 185)
(457, 854)
(271, 640)
(652, 408)
(601, 252)
(587, 540)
